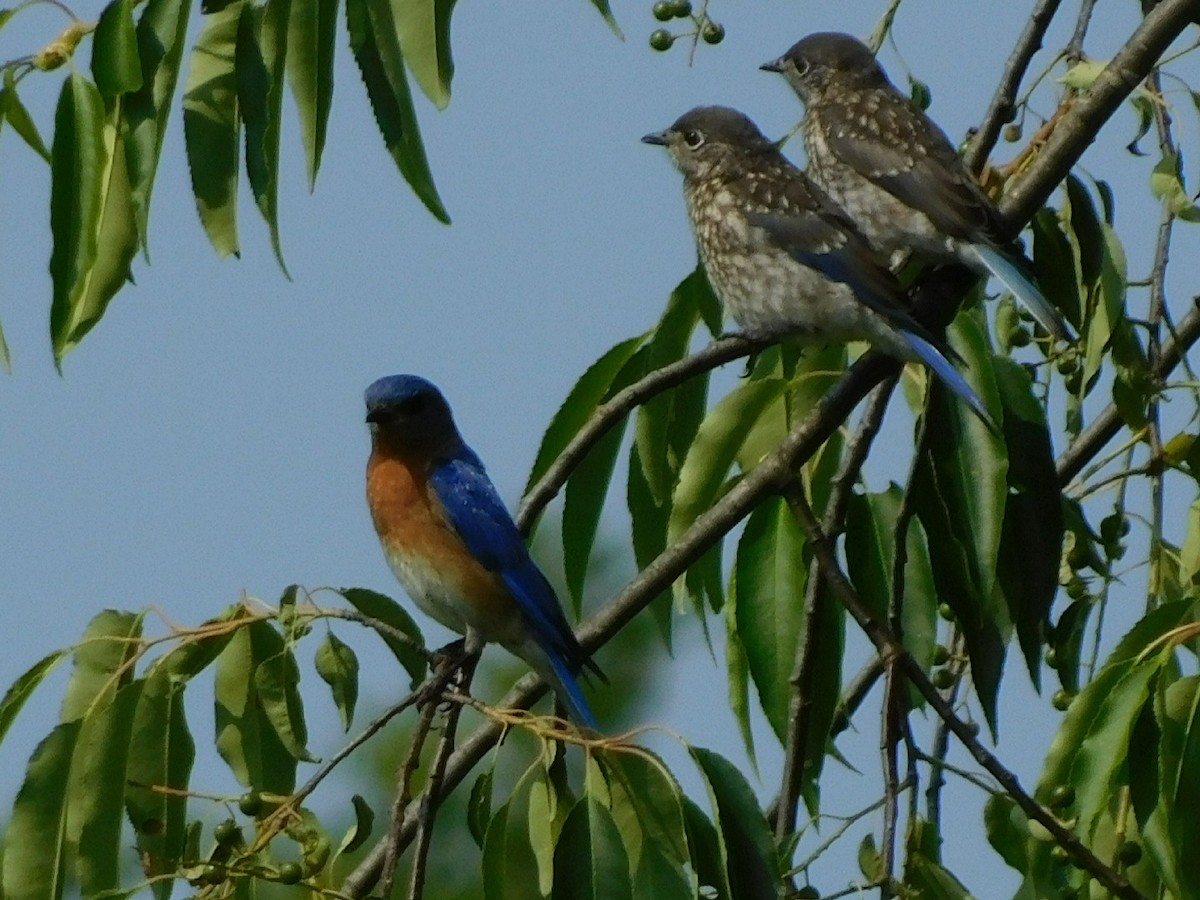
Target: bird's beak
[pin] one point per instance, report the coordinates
(656, 137)
(373, 416)
(775, 65)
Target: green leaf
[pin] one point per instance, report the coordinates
(646, 806)
(1067, 640)
(423, 27)
(260, 57)
(602, 6)
(97, 790)
(337, 665)
(1032, 535)
(870, 556)
(582, 506)
(648, 529)
(80, 165)
(115, 62)
(1054, 265)
(593, 388)
(707, 849)
(510, 865)
(1144, 107)
(1166, 183)
(737, 668)
(102, 660)
(378, 606)
(771, 576)
(20, 120)
(931, 880)
(161, 35)
(5, 359)
(34, 863)
(750, 857)
(1184, 830)
(161, 753)
(479, 806)
(247, 737)
(211, 127)
(381, 62)
(590, 862)
(21, 689)
(1082, 74)
(959, 493)
(276, 679)
(312, 30)
(1007, 830)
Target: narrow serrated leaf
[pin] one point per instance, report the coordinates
(115, 63)
(211, 127)
(35, 851)
(388, 611)
(590, 862)
(337, 665)
(21, 689)
(101, 661)
(261, 58)
(312, 29)
(277, 680)
(161, 35)
(603, 7)
(18, 117)
(423, 27)
(380, 60)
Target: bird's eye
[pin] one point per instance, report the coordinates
(693, 139)
(411, 406)
(801, 66)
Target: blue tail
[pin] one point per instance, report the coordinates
(1023, 289)
(567, 687)
(942, 368)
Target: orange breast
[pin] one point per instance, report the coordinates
(411, 523)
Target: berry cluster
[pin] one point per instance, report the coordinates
(665, 10)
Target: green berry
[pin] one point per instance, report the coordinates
(1012, 133)
(1067, 363)
(942, 679)
(946, 612)
(214, 873)
(1051, 656)
(251, 803)
(1020, 337)
(663, 10)
(1076, 588)
(1059, 855)
(1062, 797)
(1130, 853)
(973, 728)
(1061, 700)
(941, 655)
(227, 833)
(290, 873)
(661, 40)
(712, 32)
(682, 8)
(808, 892)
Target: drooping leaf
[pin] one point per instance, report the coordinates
(1184, 830)
(96, 801)
(380, 60)
(211, 127)
(337, 665)
(648, 528)
(1054, 265)
(101, 661)
(707, 848)
(1067, 640)
(1032, 536)
(277, 680)
(479, 806)
(260, 58)
(312, 30)
(603, 7)
(1166, 183)
(511, 870)
(590, 862)
(18, 117)
(360, 831)
(161, 34)
(423, 28)
(389, 612)
(737, 670)
(751, 860)
(115, 62)
(35, 852)
(79, 164)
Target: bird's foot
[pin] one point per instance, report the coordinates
(453, 663)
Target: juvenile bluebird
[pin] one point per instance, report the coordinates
(893, 171)
(452, 544)
(784, 261)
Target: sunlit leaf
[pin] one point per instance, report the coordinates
(590, 862)
(386, 610)
(479, 806)
(337, 665)
(21, 689)
(423, 27)
(510, 866)
(312, 31)
(101, 661)
(277, 680)
(1166, 183)
(18, 117)
(211, 127)
(115, 63)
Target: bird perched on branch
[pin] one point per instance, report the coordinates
(452, 544)
(893, 171)
(782, 258)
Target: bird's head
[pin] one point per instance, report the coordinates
(825, 61)
(710, 139)
(410, 415)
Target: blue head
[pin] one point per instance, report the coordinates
(410, 415)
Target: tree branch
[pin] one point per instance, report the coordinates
(1003, 108)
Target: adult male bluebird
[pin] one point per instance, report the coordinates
(452, 544)
(782, 258)
(893, 171)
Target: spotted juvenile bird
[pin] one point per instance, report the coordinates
(782, 258)
(451, 543)
(893, 171)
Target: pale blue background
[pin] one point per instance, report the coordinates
(207, 438)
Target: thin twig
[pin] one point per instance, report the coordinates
(941, 736)
(403, 798)
(891, 810)
(847, 823)
(616, 407)
(800, 704)
(1075, 45)
(890, 649)
(854, 693)
(941, 764)
(1002, 108)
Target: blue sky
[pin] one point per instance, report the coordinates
(207, 438)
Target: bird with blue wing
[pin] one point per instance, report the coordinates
(453, 546)
(783, 259)
(895, 172)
